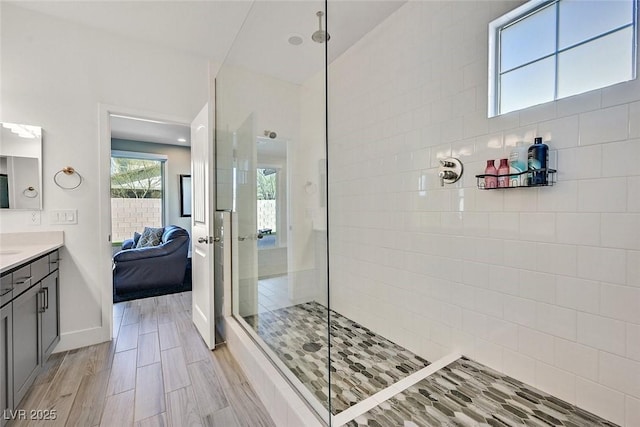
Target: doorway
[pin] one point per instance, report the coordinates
(141, 130)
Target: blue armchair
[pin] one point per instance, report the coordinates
(137, 269)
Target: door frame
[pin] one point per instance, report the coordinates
(104, 200)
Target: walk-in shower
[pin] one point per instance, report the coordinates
(350, 261)
(276, 185)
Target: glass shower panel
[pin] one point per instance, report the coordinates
(271, 171)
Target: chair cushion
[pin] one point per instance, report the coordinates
(150, 237)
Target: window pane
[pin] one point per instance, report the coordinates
(528, 39)
(581, 20)
(267, 193)
(136, 196)
(597, 64)
(527, 86)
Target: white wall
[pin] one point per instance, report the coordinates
(543, 284)
(55, 74)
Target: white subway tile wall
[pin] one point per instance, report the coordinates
(608, 402)
(542, 283)
(632, 411)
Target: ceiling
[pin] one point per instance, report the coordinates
(135, 129)
(204, 28)
(262, 43)
(248, 34)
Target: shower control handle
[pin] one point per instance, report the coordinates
(450, 170)
(446, 175)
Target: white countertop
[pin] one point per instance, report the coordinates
(20, 248)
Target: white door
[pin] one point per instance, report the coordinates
(202, 174)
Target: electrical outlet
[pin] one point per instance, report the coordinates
(33, 218)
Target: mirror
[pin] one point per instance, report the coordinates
(20, 166)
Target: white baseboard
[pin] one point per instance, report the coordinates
(83, 338)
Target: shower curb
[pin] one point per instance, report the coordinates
(284, 405)
(371, 402)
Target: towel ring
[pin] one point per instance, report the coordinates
(30, 193)
(68, 170)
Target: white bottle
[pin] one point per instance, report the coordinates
(518, 162)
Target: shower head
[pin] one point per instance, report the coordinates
(320, 36)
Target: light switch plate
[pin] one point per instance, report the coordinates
(64, 216)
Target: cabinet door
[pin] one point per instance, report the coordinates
(26, 341)
(6, 362)
(50, 318)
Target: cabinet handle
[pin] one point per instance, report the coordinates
(46, 298)
(23, 280)
(41, 309)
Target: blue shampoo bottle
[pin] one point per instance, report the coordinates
(538, 161)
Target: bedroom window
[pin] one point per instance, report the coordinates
(548, 50)
(268, 209)
(137, 193)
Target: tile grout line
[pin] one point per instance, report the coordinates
(372, 401)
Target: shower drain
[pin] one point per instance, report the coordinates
(311, 347)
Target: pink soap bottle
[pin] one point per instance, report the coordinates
(490, 181)
(503, 173)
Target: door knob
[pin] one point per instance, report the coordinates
(208, 239)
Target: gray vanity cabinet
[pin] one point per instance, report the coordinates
(6, 360)
(30, 327)
(26, 341)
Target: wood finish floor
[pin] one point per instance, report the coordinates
(157, 371)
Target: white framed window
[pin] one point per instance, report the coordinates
(138, 192)
(547, 50)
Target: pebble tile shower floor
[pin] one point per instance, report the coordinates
(469, 394)
(465, 393)
(363, 362)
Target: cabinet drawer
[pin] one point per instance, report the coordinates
(6, 289)
(22, 280)
(39, 269)
(54, 261)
